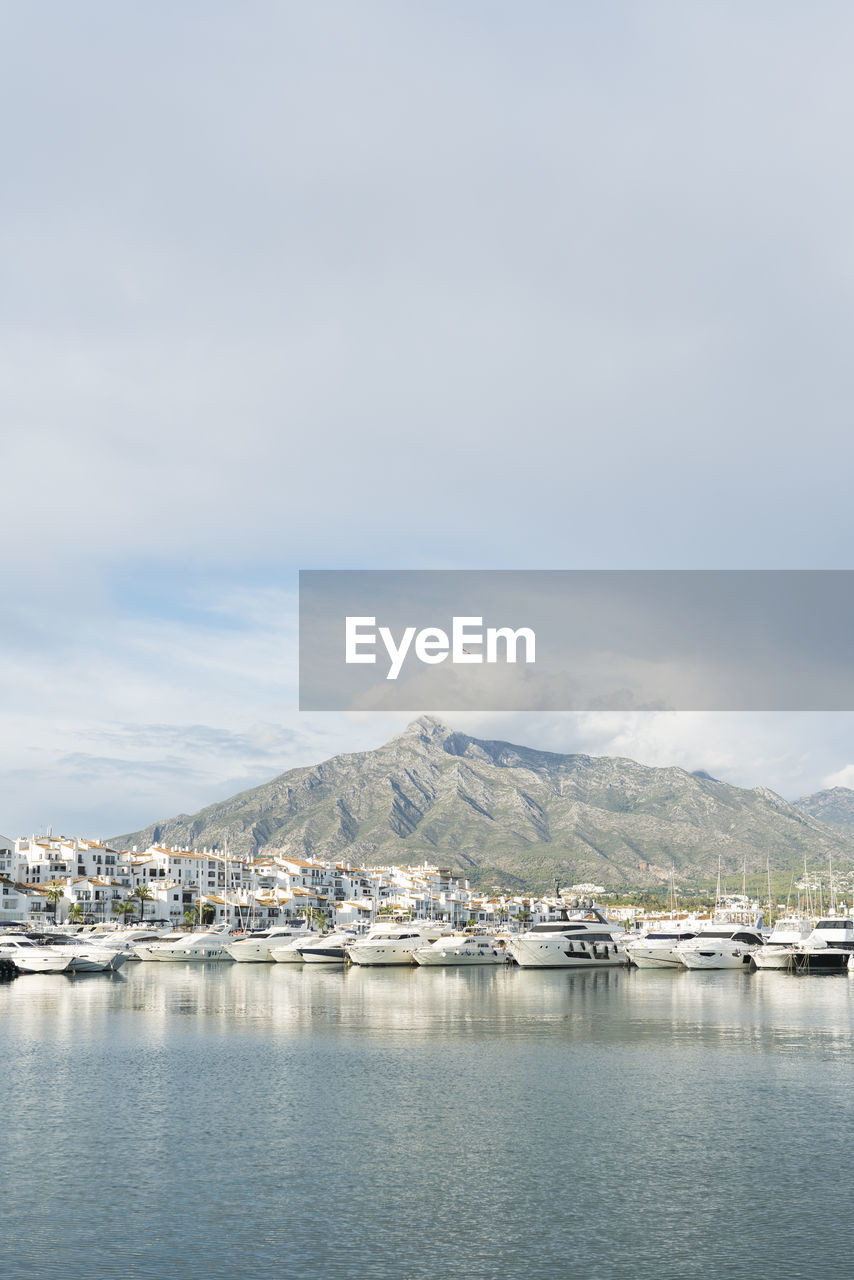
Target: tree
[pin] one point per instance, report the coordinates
(314, 915)
(143, 893)
(54, 893)
(125, 908)
(75, 915)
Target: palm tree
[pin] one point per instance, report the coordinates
(75, 915)
(314, 915)
(124, 909)
(54, 893)
(143, 892)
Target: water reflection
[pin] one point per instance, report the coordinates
(335, 1123)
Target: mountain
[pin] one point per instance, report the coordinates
(509, 815)
(834, 807)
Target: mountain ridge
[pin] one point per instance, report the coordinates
(508, 814)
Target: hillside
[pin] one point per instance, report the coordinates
(509, 815)
(834, 807)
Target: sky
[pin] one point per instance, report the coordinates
(387, 285)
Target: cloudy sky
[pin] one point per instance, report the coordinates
(397, 285)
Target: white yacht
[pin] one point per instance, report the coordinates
(719, 945)
(386, 944)
(191, 948)
(141, 950)
(123, 942)
(462, 949)
(786, 934)
(828, 948)
(289, 953)
(29, 957)
(88, 956)
(580, 940)
(255, 948)
(331, 948)
(657, 948)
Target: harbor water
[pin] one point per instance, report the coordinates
(171, 1121)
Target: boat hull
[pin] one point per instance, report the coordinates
(652, 957)
(820, 960)
(773, 957)
(714, 959)
(43, 963)
(323, 955)
(428, 957)
(535, 954)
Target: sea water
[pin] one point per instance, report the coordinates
(273, 1121)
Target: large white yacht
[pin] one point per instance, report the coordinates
(190, 948)
(88, 956)
(385, 944)
(579, 940)
(721, 945)
(255, 948)
(657, 948)
(462, 949)
(29, 957)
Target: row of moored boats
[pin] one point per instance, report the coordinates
(580, 939)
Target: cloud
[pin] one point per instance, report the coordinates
(414, 286)
(841, 778)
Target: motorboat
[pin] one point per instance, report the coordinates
(721, 945)
(787, 933)
(828, 948)
(125, 941)
(289, 953)
(462, 949)
(191, 948)
(88, 956)
(142, 950)
(657, 948)
(256, 947)
(329, 948)
(386, 944)
(579, 940)
(29, 957)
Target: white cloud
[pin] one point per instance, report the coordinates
(841, 778)
(432, 286)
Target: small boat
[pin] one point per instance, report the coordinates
(462, 949)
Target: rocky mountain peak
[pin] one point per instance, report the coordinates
(509, 814)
